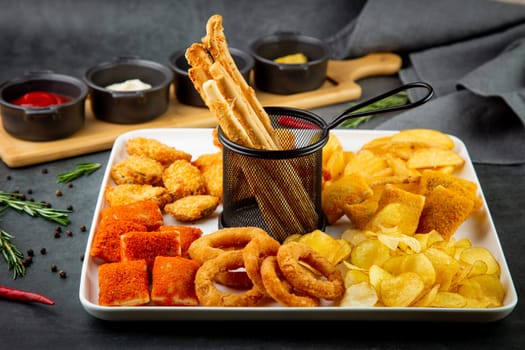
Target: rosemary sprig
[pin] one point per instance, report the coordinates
(394, 100)
(81, 169)
(13, 256)
(15, 201)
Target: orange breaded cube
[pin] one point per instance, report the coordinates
(106, 242)
(123, 283)
(188, 234)
(145, 212)
(149, 245)
(173, 281)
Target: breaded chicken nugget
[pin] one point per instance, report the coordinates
(137, 170)
(183, 179)
(204, 161)
(129, 193)
(156, 150)
(210, 166)
(192, 208)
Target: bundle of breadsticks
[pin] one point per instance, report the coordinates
(283, 201)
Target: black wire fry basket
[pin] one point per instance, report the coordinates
(280, 190)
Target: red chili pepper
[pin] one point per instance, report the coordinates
(40, 99)
(296, 124)
(22, 295)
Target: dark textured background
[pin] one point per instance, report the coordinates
(70, 36)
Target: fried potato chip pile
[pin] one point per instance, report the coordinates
(404, 204)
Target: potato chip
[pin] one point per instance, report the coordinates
(445, 266)
(367, 164)
(376, 275)
(433, 158)
(427, 297)
(395, 241)
(420, 264)
(401, 290)
(355, 236)
(359, 295)
(428, 137)
(408, 210)
(355, 276)
(369, 252)
(335, 250)
(486, 289)
(470, 255)
(449, 300)
(348, 189)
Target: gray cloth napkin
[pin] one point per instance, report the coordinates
(473, 54)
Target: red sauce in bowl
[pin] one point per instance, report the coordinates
(40, 99)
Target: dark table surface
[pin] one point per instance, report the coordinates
(67, 325)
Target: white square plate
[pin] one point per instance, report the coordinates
(479, 228)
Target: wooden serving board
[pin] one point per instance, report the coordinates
(96, 135)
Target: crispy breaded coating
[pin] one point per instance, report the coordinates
(210, 166)
(192, 208)
(207, 160)
(106, 242)
(148, 245)
(444, 211)
(130, 193)
(156, 150)
(137, 170)
(173, 281)
(187, 234)
(183, 179)
(431, 179)
(147, 213)
(123, 283)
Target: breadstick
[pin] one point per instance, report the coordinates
(215, 42)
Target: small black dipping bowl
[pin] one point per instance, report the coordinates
(185, 91)
(129, 107)
(43, 123)
(286, 79)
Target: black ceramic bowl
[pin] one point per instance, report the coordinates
(129, 107)
(43, 123)
(279, 78)
(185, 91)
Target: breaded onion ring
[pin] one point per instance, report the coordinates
(289, 257)
(207, 291)
(278, 287)
(253, 255)
(211, 245)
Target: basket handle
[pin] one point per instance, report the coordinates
(347, 114)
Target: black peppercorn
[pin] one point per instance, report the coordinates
(58, 193)
(62, 274)
(43, 251)
(30, 252)
(53, 268)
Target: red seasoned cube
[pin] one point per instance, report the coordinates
(149, 245)
(173, 281)
(123, 283)
(188, 234)
(106, 242)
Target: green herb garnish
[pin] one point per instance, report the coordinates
(13, 256)
(82, 169)
(16, 201)
(391, 101)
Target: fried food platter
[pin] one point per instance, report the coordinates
(479, 229)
